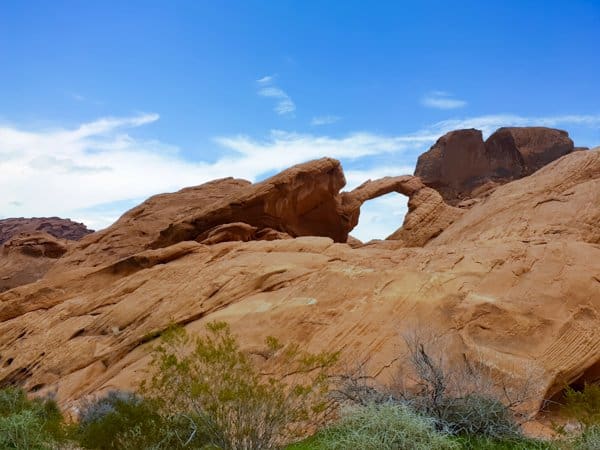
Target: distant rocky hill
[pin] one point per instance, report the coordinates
(509, 276)
(30, 246)
(54, 226)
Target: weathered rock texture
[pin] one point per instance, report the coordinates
(54, 226)
(30, 247)
(513, 282)
(27, 257)
(460, 165)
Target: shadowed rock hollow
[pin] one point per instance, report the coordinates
(512, 281)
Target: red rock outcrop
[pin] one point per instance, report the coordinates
(304, 200)
(460, 165)
(27, 257)
(54, 226)
(512, 283)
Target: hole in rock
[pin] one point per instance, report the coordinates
(590, 376)
(380, 217)
(78, 333)
(8, 362)
(37, 387)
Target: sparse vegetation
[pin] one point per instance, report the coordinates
(205, 393)
(28, 423)
(220, 390)
(386, 426)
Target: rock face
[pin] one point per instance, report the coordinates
(460, 165)
(304, 200)
(512, 282)
(54, 226)
(30, 247)
(27, 257)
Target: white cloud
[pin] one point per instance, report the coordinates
(442, 100)
(266, 79)
(285, 104)
(380, 217)
(95, 171)
(324, 120)
(489, 123)
(66, 172)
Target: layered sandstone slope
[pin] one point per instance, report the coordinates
(562, 200)
(54, 226)
(460, 165)
(142, 224)
(505, 291)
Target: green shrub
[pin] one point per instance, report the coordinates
(28, 423)
(477, 415)
(218, 388)
(589, 439)
(122, 420)
(584, 405)
(513, 443)
(387, 426)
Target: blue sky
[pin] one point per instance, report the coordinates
(105, 103)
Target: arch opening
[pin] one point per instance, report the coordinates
(380, 217)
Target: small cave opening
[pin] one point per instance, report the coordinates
(590, 376)
(380, 217)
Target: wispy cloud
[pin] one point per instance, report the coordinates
(324, 120)
(489, 123)
(100, 163)
(284, 105)
(442, 100)
(266, 79)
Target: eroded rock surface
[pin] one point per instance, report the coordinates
(30, 247)
(27, 257)
(460, 165)
(512, 281)
(54, 226)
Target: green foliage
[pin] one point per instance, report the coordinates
(28, 423)
(126, 421)
(387, 426)
(588, 440)
(216, 385)
(477, 415)
(474, 442)
(584, 405)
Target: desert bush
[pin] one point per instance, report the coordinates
(477, 414)
(214, 384)
(472, 442)
(386, 426)
(28, 423)
(123, 420)
(584, 405)
(462, 399)
(589, 439)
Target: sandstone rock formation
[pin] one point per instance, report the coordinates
(54, 226)
(27, 257)
(30, 247)
(512, 282)
(460, 165)
(304, 200)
